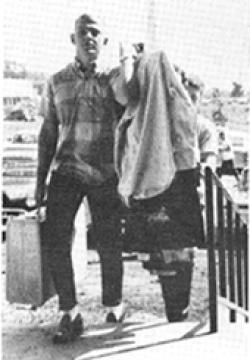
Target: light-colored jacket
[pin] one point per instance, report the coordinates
(157, 134)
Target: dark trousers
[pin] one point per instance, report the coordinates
(180, 202)
(172, 240)
(227, 168)
(65, 195)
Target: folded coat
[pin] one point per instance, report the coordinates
(157, 134)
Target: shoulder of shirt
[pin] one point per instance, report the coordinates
(64, 75)
(107, 76)
(113, 73)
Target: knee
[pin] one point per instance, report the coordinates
(107, 232)
(58, 236)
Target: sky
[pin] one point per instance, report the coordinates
(210, 38)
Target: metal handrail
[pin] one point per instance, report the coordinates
(226, 194)
(231, 249)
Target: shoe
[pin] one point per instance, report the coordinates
(68, 330)
(77, 326)
(177, 316)
(111, 317)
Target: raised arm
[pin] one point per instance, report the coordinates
(123, 79)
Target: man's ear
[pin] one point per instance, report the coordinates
(72, 38)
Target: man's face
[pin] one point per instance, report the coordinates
(87, 41)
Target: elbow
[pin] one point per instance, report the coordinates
(48, 137)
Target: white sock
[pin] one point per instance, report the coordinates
(72, 312)
(117, 310)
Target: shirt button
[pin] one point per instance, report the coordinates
(172, 92)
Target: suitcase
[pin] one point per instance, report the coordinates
(28, 280)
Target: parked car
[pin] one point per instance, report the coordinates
(18, 115)
(19, 163)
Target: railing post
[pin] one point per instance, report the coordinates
(211, 251)
(246, 268)
(231, 268)
(221, 243)
(238, 240)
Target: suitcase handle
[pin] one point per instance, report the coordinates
(39, 214)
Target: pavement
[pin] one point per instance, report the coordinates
(132, 339)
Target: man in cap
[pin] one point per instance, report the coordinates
(76, 148)
(207, 146)
(207, 138)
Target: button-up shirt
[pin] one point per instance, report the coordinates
(81, 105)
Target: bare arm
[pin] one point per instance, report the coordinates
(208, 141)
(46, 149)
(123, 79)
(46, 143)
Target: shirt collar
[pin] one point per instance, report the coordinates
(83, 70)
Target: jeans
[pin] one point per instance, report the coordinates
(65, 195)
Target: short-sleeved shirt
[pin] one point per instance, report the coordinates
(225, 150)
(207, 137)
(82, 108)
